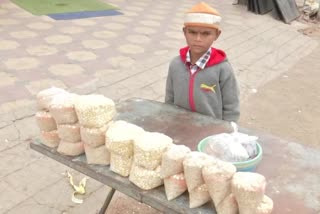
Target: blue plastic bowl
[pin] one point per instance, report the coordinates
(242, 166)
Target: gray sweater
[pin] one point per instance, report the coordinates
(212, 91)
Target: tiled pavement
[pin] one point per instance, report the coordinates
(120, 57)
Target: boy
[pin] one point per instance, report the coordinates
(201, 79)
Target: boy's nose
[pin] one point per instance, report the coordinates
(198, 37)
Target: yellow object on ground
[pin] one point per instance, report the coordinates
(80, 189)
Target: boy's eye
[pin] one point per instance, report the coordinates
(206, 33)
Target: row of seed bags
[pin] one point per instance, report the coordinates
(151, 159)
(85, 123)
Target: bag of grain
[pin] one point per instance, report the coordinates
(248, 188)
(172, 160)
(94, 137)
(218, 179)
(44, 97)
(50, 139)
(120, 164)
(229, 205)
(94, 110)
(198, 196)
(71, 149)
(97, 155)
(69, 132)
(144, 178)
(45, 121)
(62, 108)
(149, 148)
(265, 206)
(174, 185)
(192, 166)
(120, 137)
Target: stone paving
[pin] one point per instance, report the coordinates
(117, 56)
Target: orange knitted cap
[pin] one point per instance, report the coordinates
(202, 15)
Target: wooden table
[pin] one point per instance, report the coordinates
(292, 170)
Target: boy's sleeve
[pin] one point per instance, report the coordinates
(230, 95)
(169, 98)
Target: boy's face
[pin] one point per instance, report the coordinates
(200, 39)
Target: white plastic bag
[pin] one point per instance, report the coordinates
(224, 147)
(247, 141)
(232, 147)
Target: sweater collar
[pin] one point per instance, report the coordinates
(217, 56)
(202, 61)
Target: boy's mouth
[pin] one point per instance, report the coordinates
(197, 47)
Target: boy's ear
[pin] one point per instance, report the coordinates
(184, 30)
(218, 34)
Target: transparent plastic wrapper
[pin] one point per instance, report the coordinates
(172, 160)
(174, 185)
(218, 179)
(70, 149)
(94, 110)
(149, 148)
(144, 178)
(94, 137)
(50, 139)
(266, 206)
(229, 205)
(45, 121)
(192, 166)
(223, 147)
(120, 137)
(97, 155)
(44, 97)
(199, 196)
(248, 142)
(69, 132)
(248, 188)
(121, 164)
(62, 108)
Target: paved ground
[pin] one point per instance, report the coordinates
(120, 57)
(293, 98)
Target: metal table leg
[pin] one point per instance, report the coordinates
(107, 201)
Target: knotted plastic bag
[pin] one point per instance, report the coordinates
(247, 141)
(224, 147)
(232, 147)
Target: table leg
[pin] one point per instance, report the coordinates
(107, 201)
